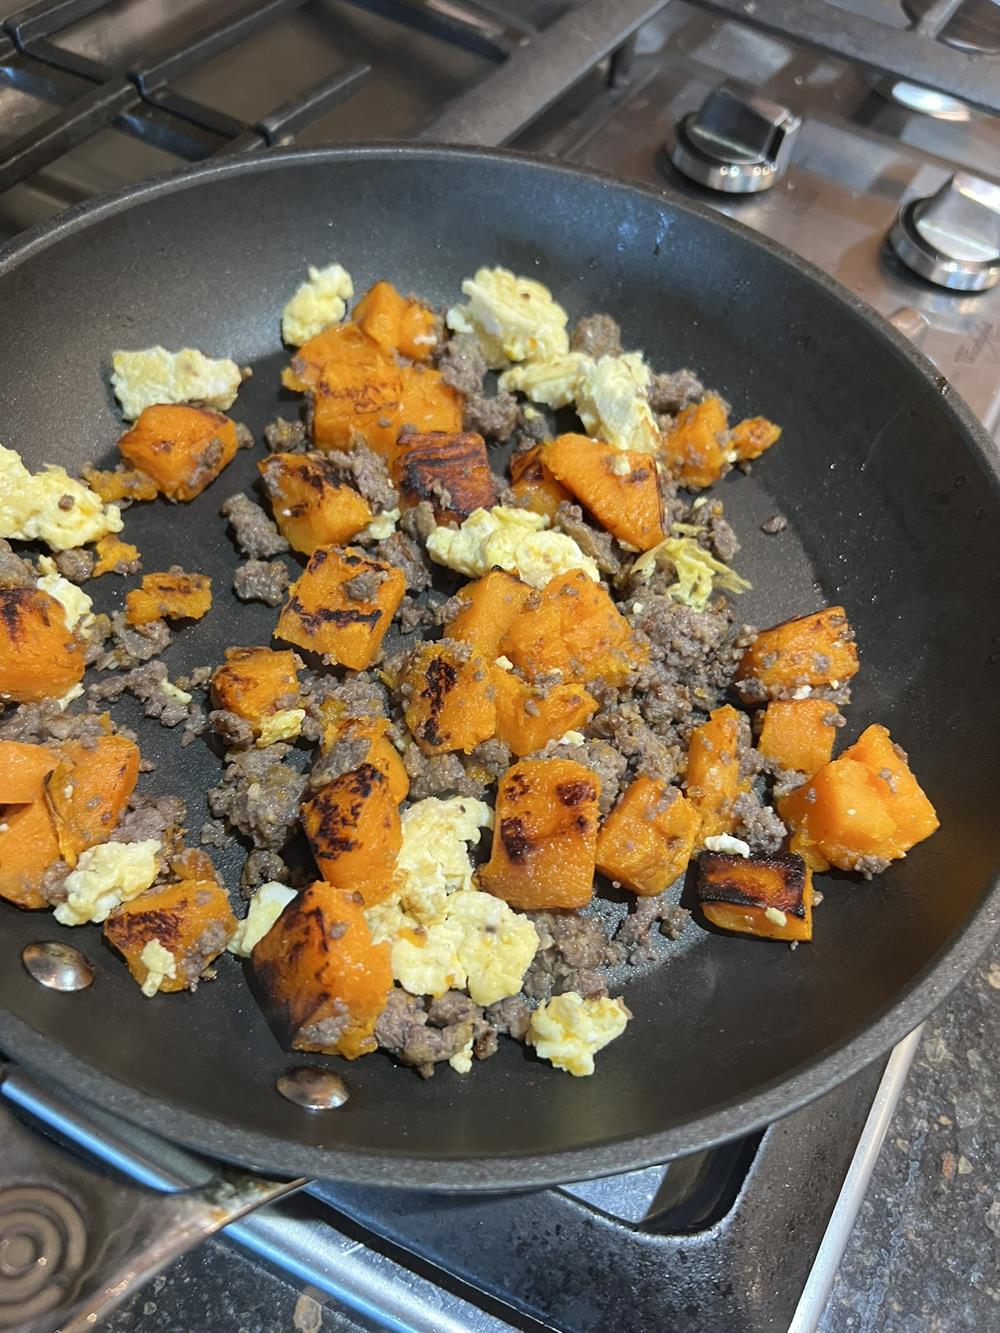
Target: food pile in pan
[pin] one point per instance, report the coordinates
(505, 711)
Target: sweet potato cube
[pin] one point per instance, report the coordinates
(122, 484)
(527, 719)
(170, 596)
(575, 629)
(28, 846)
(39, 657)
(449, 697)
(534, 485)
(355, 833)
(752, 436)
(798, 734)
(255, 683)
(23, 769)
(357, 389)
(341, 606)
(428, 403)
(648, 838)
(812, 652)
(88, 791)
(914, 817)
(545, 836)
(192, 920)
(768, 896)
(488, 608)
(311, 505)
(182, 448)
(450, 471)
(113, 556)
(396, 324)
(381, 753)
(695, 447)
(618, 488)
(325, 981)
(713, 779)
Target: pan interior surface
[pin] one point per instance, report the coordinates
(892, 509)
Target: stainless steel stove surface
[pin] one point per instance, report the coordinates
(94, 95)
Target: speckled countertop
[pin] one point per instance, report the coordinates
(924, 1256)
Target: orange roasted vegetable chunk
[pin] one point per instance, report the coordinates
(122, 484)
(696, 444)
(191, 919)
(860, 811)
(357, 388)
(396, 324)
(255, 683)
(648, 838)
(88, 791)
(28, 843)
(798, 734)
(381, 752)
(813, 652)
(534, 485)
(449, 698)
(113, 555)
(170, 596)
(451, 471)
(768, 896)
(325, 981)
(575, 628)
(354, 831)
(23, 768)
(528, 719)
(311, 505)
(752, 436)
(341, 606)
(545, 835)
(182, 448)
(713, 779)
(39, 657)
(488, 608)
(428, 404)
(619, 488)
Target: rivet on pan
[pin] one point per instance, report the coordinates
(57, 966)
(315, 1089)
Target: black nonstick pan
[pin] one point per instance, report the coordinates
(891, 491)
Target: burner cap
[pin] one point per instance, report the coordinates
(975, 25)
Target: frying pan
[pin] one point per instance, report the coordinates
(891, 491)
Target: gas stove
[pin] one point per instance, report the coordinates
(860, 134)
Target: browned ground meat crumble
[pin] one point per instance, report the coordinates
(261, 581)
(255, 534)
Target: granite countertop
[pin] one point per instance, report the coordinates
(924, 1256)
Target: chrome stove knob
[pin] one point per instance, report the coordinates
(735, 142)
(952, 238)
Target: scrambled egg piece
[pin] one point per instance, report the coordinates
(284, 725)
(160, 964)
(725, 842)
(611, 401)
(698, 571)
(30, 509)
(569, 1030)
(552, 382)
(461, 1061)
(316, 303)
(512, 318)
(513, 539)
(382, 525)
(175, 693)
(266, 905)
(154, 375)
(105, 877)
(73, 600)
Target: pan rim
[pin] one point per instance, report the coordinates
(731, 1119)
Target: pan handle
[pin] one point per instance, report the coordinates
(76, 1239)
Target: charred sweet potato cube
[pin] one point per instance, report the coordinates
(174, 595)
(39, 657)
(256, 683)
(28, 843)
(648, 838)
(354, 831)
(488, 608)
(182, 448)
(812, 652)
(768, 896)
(381, 753)
(325, 981)
(620, 489)
(575, 629)
(452, 472)
(23, 769)
(356, 386)
(545, 836)
(88, 791)
(752, 436)
(695, 446)
(798, 734)
(311, 505)
(713, 780)
(113, 556)
(396, 324)
(191, 920)
(449, 698)
(534, 485)
(122, 484)
(341, 606)
(861, 810)
(528, 719)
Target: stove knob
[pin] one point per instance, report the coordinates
(952, 238)
(735, 142)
